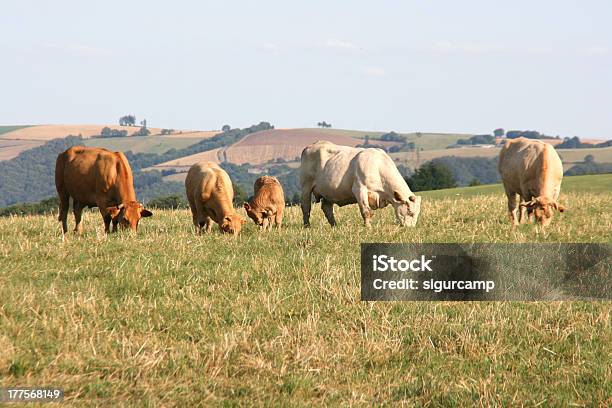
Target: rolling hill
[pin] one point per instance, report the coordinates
(16, 139)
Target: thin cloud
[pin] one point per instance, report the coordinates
(597, 50)
(374, 71)
(270, 47)
(76, 50)
(469, 48)
(338, 44)
(464, 48)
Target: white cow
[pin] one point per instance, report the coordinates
(532, 170)
(346, 175)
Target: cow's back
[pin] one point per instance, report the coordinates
(268, 190)
(86, 172)
(529, 163)
(206, 181)
(325, 170)
(315, 156)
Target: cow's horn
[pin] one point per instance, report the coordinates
(120, 206)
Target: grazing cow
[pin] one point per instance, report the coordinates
(532, 170)
(96, 177)
(267, 203)
(210, 194)
(346, 175)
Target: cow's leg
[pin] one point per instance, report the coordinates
(278, 218)
(63, 210)
(208, 223)
(77, 209)
(328, 210)
(107, 220)
(194, 214)
(522, 214)
(306, 204)
(513, 201)
(361, 194)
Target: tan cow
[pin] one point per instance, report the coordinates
(267, 203)
(96, 177)
(210, 195)
(346, 175)
(532, 170)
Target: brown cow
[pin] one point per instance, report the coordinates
(531, 169)
(96, 177)
(210, 195)
(268, 202)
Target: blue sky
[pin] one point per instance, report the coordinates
(466, 66)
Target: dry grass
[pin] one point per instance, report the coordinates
(184, 163)
(261, 147)
(11, 148)
(48, 132)
(169, 318)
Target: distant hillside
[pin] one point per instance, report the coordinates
(17, 139)
(6, 129)
(286, 144)
(48, 132)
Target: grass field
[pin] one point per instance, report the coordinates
(7, 129)
(144, 144)
(169, 318)
(425, 140)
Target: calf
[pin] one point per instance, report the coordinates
(267, 203)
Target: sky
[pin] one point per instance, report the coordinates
(428, 65)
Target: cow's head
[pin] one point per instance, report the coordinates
(232, 224)
(406, 211)
(543, 209)
(259, 215)
(128, 214)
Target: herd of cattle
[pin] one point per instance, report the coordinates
(531, 172)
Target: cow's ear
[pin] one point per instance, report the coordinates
(113, 211)
(397, 196)
(145, 213)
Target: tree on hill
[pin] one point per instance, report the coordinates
(172, 201)
(108, 132)
(225, 128)
(240, 196)
(29, 177)
(431, 176)
(127, 120)
(499, 132)
(575, 143)
(467, 169)
(143, 131)
(324, 124)
(392, 137)
(477, 139)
